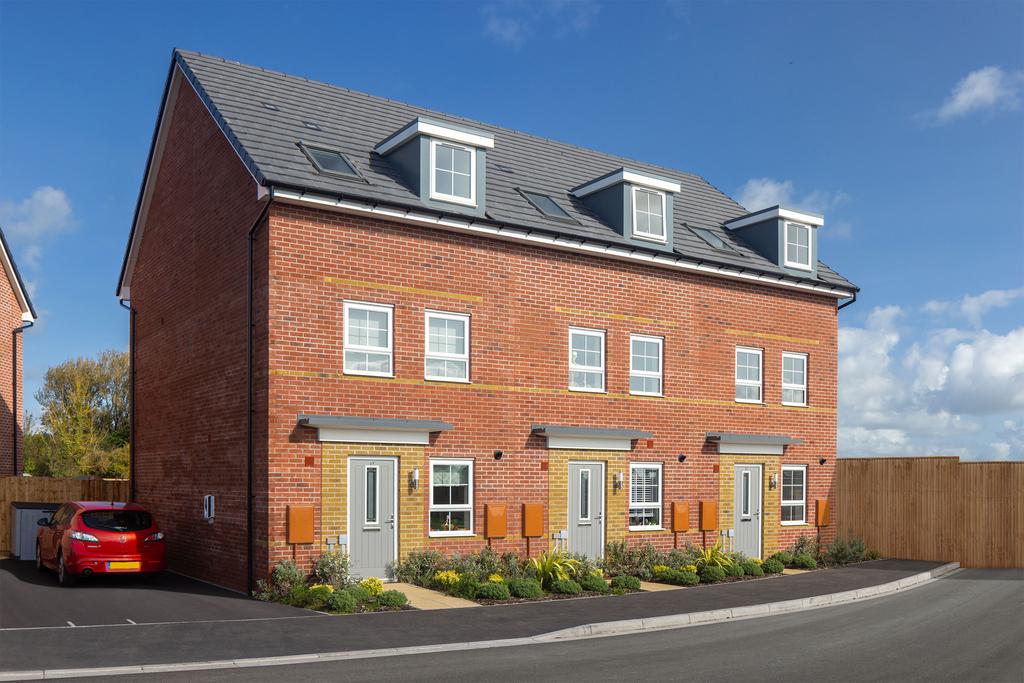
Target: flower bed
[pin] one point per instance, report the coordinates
(489, 578)
(331, 588)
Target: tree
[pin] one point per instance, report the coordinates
(85, 426)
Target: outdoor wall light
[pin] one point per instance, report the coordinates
(617, 480)
(822, 461)
(497, 455)
(414, 478)
(682, 457)
(773, 482)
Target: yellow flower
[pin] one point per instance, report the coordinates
(329, 587)
(495, 578)
(690, 568)
(660, 568)
(447, 577)
(373, 585)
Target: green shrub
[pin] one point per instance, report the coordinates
(594, 584)
(373, 586)
(804, 561)
(466, 587)
(585, 566)
(553, 566)
(678, 558)
(332, 568)
(734, 570)
(493, 591)
(298, 596)
(712, 573)
(285, 576)
(751, 568)
(712, 557)
(566, 587)
(772, 566)
(784, 556)
(318, 595)
(342, 602)
(392, 599)
(419, 567)
(681, 578)
(620, 559)
(625, 582)
(805, 545)
(872, 555)
(358, 593)
(845, 551)
(529, 589)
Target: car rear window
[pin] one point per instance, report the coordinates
(117, 520)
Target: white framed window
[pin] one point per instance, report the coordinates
(451, 497)
(585, 493)
(644, 495)
(452, 172)
(586, 359)
(368, 339)
(372, 499)
(798, 246)
(645, 365)
(649, 214)
(446, 352)
(794, 379)
(748, 374)
(794, 494)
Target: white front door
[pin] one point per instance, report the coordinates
(372, 515)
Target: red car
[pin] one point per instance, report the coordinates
(84, 538)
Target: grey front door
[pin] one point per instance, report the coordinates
(586, 508)
(372, 520)
(747, 522)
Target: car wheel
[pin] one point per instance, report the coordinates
(64, 576)
(39, 559)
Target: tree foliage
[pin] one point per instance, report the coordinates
(85, 427)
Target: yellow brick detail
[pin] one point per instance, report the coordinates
(774, 337)
(614, 316)
(399, 288)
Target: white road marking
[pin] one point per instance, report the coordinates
(70, 623)
(131, 622)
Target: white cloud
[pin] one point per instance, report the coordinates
(506, 29)
(513, 23)
(989, 88)
(29, 222)
(973, 308)
(759, 193)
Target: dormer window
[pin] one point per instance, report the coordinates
(648, 214)
(798, 246)
(453, 172)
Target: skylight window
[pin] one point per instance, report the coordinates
(712, 239)
(546, 205)
(329, 161)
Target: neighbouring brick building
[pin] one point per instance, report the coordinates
(359, 322)
(16, 315)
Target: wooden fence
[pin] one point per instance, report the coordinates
(46, 490)
(935, 508)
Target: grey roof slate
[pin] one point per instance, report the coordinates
(354, 123)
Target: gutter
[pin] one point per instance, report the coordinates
(853, 300)
(14, 398)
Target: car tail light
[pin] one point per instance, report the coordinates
(158, 536)
(82, 536)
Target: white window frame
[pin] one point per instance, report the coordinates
(450, 508)
(434, 194)
(376, 497)
(428, 354)
(791, 503)
(346, 346)
(587, 368)
(663, 238)
(644, 506)
(746, 382)
(810, 247)
(660, 375)
(799, 387)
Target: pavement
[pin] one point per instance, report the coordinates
(964, 627)
(202, 640)
(424, 598)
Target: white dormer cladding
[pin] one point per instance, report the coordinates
(637, 205)
(444, 163)
(787, 237)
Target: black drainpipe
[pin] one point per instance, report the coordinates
(131, 396)
(251, 240)
(14, 402)
(851, 301)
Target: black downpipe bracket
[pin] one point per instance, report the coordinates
(251, 241)
(131, 396)
(14, 396)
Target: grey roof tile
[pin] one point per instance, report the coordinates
(354, 123)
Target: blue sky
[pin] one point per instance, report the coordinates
(901, 122)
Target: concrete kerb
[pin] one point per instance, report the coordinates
(597, 630)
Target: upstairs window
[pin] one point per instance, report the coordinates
(329, 162)
(447, 352)
(649, 214)
(586, 359)
(798, 246)
(748, 375)
(644, 496)
(453, 173)
(645, 365)
(368, 343)
(794, 379)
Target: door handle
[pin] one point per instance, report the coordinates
(391, 521)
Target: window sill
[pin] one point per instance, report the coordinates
(797, 266)
(794, 405)
(453, 200)
(649, 238)
(644, 393)
(749, 402)
(588, 391)
(356, 373)
(646, 528)
(447, 380)
(804, 523)
(451, 534)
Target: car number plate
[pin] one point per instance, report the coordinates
(124, 565)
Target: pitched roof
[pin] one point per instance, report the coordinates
(28, 312)
(264, 114)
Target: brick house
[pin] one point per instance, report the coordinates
(360, 323)
(17, 314)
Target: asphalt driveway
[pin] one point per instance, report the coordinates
(30, 599)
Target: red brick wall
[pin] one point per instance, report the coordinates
(519, 339)
(189, 290)
(10, 320)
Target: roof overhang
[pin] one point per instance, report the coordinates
(435, 129)
(624, 175)
(28, 312)
(589, 438)
(776, 212)
(750, 444)
(334, 428)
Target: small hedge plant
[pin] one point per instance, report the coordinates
(624, 582)
(594, 584)
(528, 589)
(735, 570)
(566, 587)
(712, 573)
(772, 566)
(751, 568)
(493, 591)
(680, 577)
(804, 561)
(342, 602)
(392, 599)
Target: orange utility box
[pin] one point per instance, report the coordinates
(497, 521)
(708, 515)
(680, 516)
(300, 524)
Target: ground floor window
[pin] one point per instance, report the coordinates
(794, 494)
(645, 496)
(451, 497)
